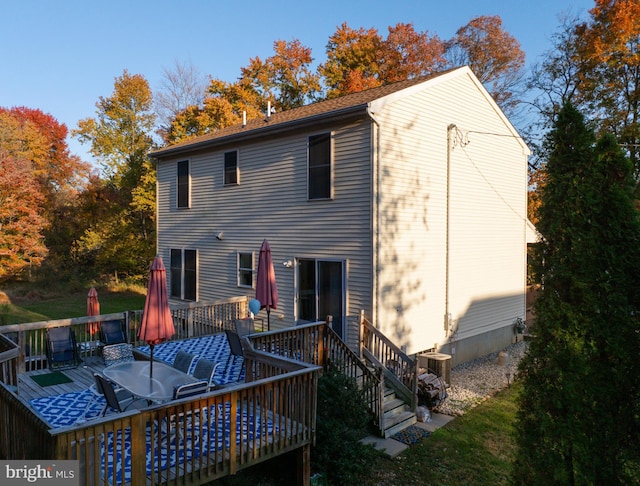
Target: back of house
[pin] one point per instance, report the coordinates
(407, 202)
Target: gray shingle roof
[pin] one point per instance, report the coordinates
(349, 104)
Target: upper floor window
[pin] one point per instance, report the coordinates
(184, 274)
(184, 185)
(245, 269)
(319, 167)
(231, 172)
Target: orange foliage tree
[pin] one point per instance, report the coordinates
(362, 59)
(609, 50)
(493, 55)
(21, 224)
(34, 146)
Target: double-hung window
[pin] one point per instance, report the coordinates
(184, 265)
(231, 171)
(245, 269)
(183, 185)
(319, 176)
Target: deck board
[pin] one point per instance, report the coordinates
(82, 378)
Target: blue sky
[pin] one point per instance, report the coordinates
(60, 56)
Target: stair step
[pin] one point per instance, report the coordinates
(398, 422)
(393, 404)
(389, 392)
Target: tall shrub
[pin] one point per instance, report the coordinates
(578, 419)
(342, 420)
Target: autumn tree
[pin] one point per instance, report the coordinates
(595, 65)
(55, 168)
(21, 224)
(284, 80)
(579, 412)
(30, 135)
(61, 176)
(407, 54)
(223, 106)
(362, 59)
(181, 87)
(609, 46)
(493, 55)
(121, 138)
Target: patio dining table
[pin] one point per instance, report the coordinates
(133, 376)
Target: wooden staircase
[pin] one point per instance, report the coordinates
(397, 414)
(404, 383)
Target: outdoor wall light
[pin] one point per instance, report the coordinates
(287, 263)
(219, 235)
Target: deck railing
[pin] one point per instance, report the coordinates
(9, 355)
(16, 418)
(191, 320)
(316, 343)
(399, 369)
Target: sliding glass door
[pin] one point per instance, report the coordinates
(321, 292)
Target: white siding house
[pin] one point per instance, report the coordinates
(406, 201)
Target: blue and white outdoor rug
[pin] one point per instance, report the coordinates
(68, 408)
(71, 408)
(215, 348)
(213, 439)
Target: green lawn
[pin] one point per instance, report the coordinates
(475, 449)
(25, 309)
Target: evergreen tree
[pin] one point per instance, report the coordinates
(578, 421)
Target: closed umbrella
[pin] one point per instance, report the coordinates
(93, 309)
(157, 323)
(266, 290)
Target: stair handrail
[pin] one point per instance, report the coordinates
(399, 368)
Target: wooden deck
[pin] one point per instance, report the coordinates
(272, 413)
(281, 369)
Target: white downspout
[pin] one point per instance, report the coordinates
(376, 183)
(447, 314)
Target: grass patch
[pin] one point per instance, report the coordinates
(474, 449)
(33, 305)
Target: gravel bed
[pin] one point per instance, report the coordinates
(474, 381)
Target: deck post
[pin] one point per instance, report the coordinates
(361, 335)
(22, 350)
(304, 465)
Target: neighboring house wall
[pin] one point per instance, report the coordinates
(487, 217)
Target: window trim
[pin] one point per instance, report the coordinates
(241, 269)
(330, 167)
(224, 168)
(182, 185)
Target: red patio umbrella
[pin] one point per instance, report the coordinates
(93, 309)
(157, 323)
(266, 290)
